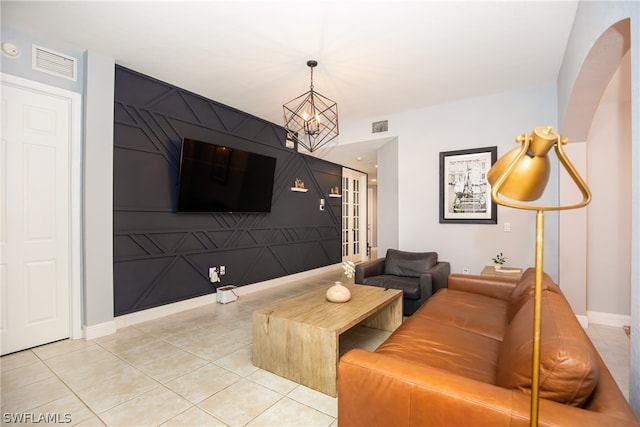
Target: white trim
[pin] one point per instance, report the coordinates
(584, 320)
(100, 330)
(177, 307)
(75, 191)
(77, 262)
(162, 311)
(354, 175)
(267, 284)
(608, 319)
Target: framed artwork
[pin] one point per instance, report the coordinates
(465, 193)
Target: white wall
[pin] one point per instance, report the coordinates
(372, 214)
(609, 147)
(422, 134)
(22, 65)
(592, 20)
(604, 161)
(387, 201)
(98, 195)
(572, 256)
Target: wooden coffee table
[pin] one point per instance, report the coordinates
(299, 338)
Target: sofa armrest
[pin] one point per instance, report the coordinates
(379, 390)
(494, 287)
(368, 269)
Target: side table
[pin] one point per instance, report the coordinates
(511, 272)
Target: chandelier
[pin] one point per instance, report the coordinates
(311, 119)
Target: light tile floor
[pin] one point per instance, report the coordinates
(191, 369)
(613, 345)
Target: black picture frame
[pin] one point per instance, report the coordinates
(465, 193)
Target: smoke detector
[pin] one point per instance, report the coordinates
(10, 49)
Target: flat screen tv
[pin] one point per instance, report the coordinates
(215, 178)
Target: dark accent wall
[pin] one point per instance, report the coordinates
(161, 256)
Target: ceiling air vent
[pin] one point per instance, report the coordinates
(382, 126)
(57, 64)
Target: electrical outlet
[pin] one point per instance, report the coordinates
(223, 270)
(214, 277)
(465, 270)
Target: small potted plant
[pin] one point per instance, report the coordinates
(498, 260)
(349, 269)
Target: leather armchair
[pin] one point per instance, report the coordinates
(417, 274)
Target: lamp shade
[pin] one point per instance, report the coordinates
(526, 168)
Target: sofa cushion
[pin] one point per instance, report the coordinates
(409, 264)
(410, 286)
(473, 312)
(568, 366)
(426, 342)
(525, 290)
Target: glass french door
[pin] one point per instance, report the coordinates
(354, 215)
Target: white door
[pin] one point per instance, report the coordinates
(35, 218)
(354, 217)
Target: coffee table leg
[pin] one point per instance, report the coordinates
(387, 319)
(299, 352)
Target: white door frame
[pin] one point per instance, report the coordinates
(75, 193)
(362, 225)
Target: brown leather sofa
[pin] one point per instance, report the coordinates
(464, 359)
(417, 274)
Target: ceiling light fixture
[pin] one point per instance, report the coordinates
(311, 119)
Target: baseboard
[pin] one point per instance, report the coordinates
(279, 281)
(100, 330)
(584, 320)
(164, 310)
(608, 319)
(177, 307)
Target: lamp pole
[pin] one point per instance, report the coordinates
(537, 320)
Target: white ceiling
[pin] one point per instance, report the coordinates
(375, 57)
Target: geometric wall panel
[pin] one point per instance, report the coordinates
(161, 256)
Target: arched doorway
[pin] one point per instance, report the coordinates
(600, 65)
(598, 123)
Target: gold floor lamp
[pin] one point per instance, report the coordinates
(521, 175)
